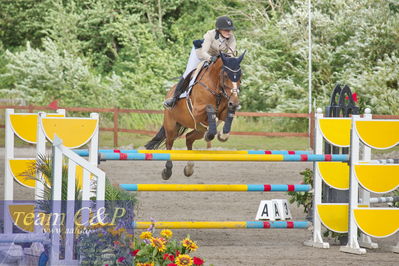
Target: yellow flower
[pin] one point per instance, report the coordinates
(189, 244)
(146, 235)
(158, 243)
(145, 264)
(184, 260)
(166, 233)
(121, 230)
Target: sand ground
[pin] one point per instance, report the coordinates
(229, 247)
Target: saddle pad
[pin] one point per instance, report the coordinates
(193, 77)
(184, 94)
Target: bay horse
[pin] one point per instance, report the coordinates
(214, 96)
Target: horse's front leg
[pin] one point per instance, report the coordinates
(211, 114)
(190, 138)
(225, 133)
(167, 171)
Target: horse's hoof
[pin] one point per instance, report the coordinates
(208, 137)
(169, 165)
(166, 173)
(188, 171)
(223, 137)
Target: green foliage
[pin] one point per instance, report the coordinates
(352, 42)
(21, 21)
(42, 76)
(43, 165)
(126, 53)
(114, 193)
(304, 199)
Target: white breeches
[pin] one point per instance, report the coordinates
(192, 63)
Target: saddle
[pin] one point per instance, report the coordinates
(192, 75)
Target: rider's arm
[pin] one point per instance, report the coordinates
(202, 53)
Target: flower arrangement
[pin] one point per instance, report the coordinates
(110, 246)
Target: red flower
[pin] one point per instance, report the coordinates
(354, 97)
(177, 253)
(134, 252)
(165, 256)
(171, 264)
(171, 257)
(198, 261)
(121, 259)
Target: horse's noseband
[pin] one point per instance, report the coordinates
(223, 87)
(219, 93)
(235, 90)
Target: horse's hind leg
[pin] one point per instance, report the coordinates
(190, 138)
(171, 129)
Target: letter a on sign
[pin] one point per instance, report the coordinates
(265, 210)
(283, 209)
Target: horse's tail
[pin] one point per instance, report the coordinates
(157, 140)
(160, 137)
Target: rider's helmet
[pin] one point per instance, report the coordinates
(224, 23)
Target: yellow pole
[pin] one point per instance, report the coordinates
(226, 157)
(191, 187)
(193, 151)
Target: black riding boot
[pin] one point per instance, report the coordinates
(171, 102)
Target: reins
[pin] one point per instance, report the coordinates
(221, 91)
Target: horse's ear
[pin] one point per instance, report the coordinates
(241, 57)
(223, 57)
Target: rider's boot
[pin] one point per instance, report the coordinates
(171, 102)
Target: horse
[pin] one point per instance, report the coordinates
(214, 96)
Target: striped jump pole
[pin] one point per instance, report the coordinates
(85, 152)
(215, 187)
(382, 199)
(224, 225)
(225, 157)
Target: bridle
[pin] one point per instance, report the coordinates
(226, 69)
(220, 92)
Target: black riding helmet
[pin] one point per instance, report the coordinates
(224, 23)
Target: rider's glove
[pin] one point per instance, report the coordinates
(213, 59)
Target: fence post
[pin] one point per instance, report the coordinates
(312, 128)
(116, 127)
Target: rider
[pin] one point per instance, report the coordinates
(220, 39)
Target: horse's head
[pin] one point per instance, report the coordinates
(231, 78)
